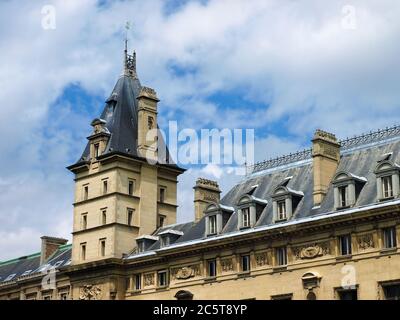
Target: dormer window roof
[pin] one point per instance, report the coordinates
(346, 188)
(169, 236)
(145, 242)
(217, 215)
(387, 179)
(285, 201)
(249, 210)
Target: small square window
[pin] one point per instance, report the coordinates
(389, 238)
(160, 220)
(84, 221)
(104, 217)
(85, 192)
(105, 186)
(130, 217)
(345, 245)
(245, 263)
(162, 195)
(347, 294)
(83, 251)
(162, 279)
(392, 292)
(102, 247)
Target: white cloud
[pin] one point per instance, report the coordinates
(295, 60)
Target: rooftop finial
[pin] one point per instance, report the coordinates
(130, 60)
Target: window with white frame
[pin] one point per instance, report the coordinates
(211, 268)
(387, 187)
(342, 196)
(212, 224)
(281, 206)
(246, 217)
(245, 263)
(162, 279)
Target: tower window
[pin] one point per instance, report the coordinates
(83, 251)
(105, 186)
(389, 237)
(102, 247)
(84, 221)
(162, 278)
(131, 187)
(212, 224)
(160, 221)
(103, 217)
(85, 192)
(162, 195)
(387, 189)
(281, 256)
(345, 244)
(211, 268)
(245, 263)
(96, 149)
(342, 196)
(130, 217)
(245, 217)
(281, 209)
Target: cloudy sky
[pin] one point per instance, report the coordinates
(282, 68)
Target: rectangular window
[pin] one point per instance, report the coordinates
(212, 268)
(103, 217)
(138, 281)
(345, 244)
(389, 238)
(131, 187)
(245, 217)
(387, 190)
(212, 224)
(85, 192)
(347, 294)
(392, 292)
(105, 186)
(102, 247)
(160, 220)
(130, 217)
(245, 263)
(342, 196)
(83, 251)
(96, 150)
(162, 195)
(162, 278)
(281, 256)
(281, 210)
(84, 221)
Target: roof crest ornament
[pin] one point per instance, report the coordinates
(129, 59)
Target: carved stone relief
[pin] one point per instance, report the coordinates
(365, 241)
(187, 272)
(311, 251)
(227, 265)
(90, 292)
(261, 259)
(148, 279)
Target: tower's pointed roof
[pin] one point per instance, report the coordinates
(120, 115)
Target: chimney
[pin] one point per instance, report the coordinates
(205, 192)
(147, 123)
(49, 246)
(326, 156)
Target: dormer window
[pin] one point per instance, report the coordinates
(281, 209)
(212, 224)
(145, 242)
(216, 217)
(387, 187)
(285, 201)
(346, 189)
(387, 180)
(249, 210)
(168, 237)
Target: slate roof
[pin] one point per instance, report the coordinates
(12, 270)
(358, 158)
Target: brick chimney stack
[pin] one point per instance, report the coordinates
(49, 246)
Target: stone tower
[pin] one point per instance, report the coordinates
(119, 193)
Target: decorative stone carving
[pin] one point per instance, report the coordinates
(183, 273)
(90, 292)
(311, 251)
(209, 196)
(365, 241)
(227, 265)
(148, 279)
(261, 259)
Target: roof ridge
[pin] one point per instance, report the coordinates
(347, 144)
(30, 256)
